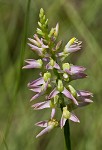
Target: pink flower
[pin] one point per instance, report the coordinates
(48, 125)
(67, 115)
(32, 63)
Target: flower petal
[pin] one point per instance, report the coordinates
(53, 93)
(32, 63)
(69, 95)
(84, 93)
(36, 89)
(36, 82)
(33, 41)
(48, 66)
(76, 69)
(62, 122)
(74, 118)
(53, 113)
(73, 49)
(46, 130)
(35, 48)
(57, 66)
(79, 75)
(41, 105)
(60, 54)
(42, 123)
(35, 96)
(87, 100)
(82, 104)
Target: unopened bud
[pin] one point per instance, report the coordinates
(56, 30)
(66, 66)
(66, 77)
(56, 97)
(60, 86)
(51, 32)
(72, 90)
(52, 62)
(47, 76)
(40, 32)
(40, 62)
(41, 13)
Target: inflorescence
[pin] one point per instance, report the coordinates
(55, 76)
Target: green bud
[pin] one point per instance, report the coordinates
(44, 18)
(52, 62)
(56, 99)
(40, 32)
(41, 13)
(66, 77)
(60, 86)
(72, 90)
(56, 30)
(46, 23)
(66, 113)
(51, 32)
(40, 25)
(66, 66)
(47, 76)
(49, 85)
(40, 62)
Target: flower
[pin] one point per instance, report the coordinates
(38, 45)
(40, 85)
(46, 104)
(32, 63)
(74, 72)
(84, 96)
(52, 64)
(67, 115)
(61, 89)
(72, 46)
(48, 125)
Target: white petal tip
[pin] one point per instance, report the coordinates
(37, 137)
(31, 99)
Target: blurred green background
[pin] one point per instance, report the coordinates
(18, 21)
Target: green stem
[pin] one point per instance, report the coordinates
(67, 135)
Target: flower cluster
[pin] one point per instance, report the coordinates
(55, 76)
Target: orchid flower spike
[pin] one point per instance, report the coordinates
(55, 76)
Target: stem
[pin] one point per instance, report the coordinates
(67, 135)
